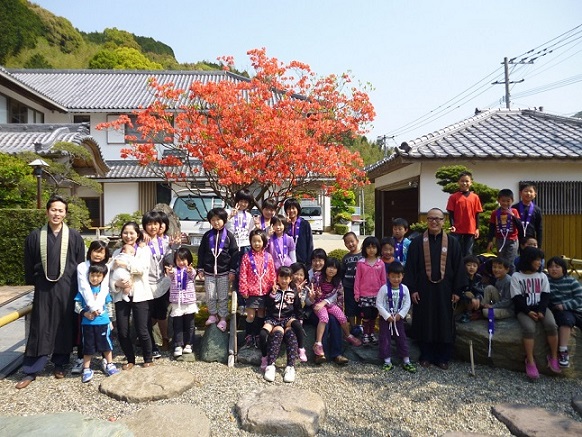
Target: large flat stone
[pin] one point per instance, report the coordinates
(526, 421)
(282, 410)
(61, 424)
(507, 346)
(151, 384)
(176, 420)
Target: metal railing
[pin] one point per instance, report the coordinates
(15, 315)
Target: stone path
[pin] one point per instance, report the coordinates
(281, 410)
(151, 384)
(62, 424)
(523, 420)
(175, 420)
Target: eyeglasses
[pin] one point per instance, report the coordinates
(435, 219)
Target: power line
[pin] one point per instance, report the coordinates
(547, 42)
(420, 121)
(572, 36)
(551, 86)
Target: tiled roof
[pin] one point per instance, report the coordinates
(11, 82)
(16, 138)
(131, 169)
(110, 90)
(497, 134)
(40, 138)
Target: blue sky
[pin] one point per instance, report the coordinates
(418, 55)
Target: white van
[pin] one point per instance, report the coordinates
(311, 212)
(191, 209)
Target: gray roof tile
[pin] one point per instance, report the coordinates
(110, 90)
(496, 134)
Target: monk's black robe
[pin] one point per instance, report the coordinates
(53, 317)
(432, 317)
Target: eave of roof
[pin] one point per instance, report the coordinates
(495, 134)
(14, 84)
(122, 170)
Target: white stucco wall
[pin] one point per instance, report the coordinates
(119, 199)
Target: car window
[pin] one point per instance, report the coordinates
(310, 211)
(195, 208)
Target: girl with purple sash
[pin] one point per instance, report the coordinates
(281, 246)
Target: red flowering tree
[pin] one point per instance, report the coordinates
(274, 134)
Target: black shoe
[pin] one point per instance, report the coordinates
(156, 353)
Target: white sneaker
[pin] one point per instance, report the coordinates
(270, 373)
(104, 366)
(77, 367)
(187, 349)
(178, 351)
(289, 375)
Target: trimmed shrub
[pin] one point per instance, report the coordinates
(340, 229)
(338, 253)
(17, 224)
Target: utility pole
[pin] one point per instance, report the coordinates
(506, 82)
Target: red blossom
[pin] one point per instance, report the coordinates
(280, 130)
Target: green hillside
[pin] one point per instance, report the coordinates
(33, 37)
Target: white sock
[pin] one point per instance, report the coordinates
(563, 348)
(406, 360)
(387, 360)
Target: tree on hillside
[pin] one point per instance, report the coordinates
(122, 58)
(20, 28)
(58, 31)
(274, 133)
(38, 61)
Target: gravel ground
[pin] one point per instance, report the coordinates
(362, 400)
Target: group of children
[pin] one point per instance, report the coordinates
(267, 257)
(512, 284)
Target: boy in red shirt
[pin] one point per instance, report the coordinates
(464, 207)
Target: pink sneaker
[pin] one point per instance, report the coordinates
(531, 370)
(263, 363)
(318, 349)
(222, 325)
(553, 364)
(211, 320)
(353, 340)
(302, 355)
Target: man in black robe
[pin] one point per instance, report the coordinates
(51, 256)
(435, 277)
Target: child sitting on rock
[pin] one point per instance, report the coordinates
(530, 292)
(283, 305)
(472, 296)
(498, 296)
(326, 290)
(566, 304)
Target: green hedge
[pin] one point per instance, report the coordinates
(16, 225)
